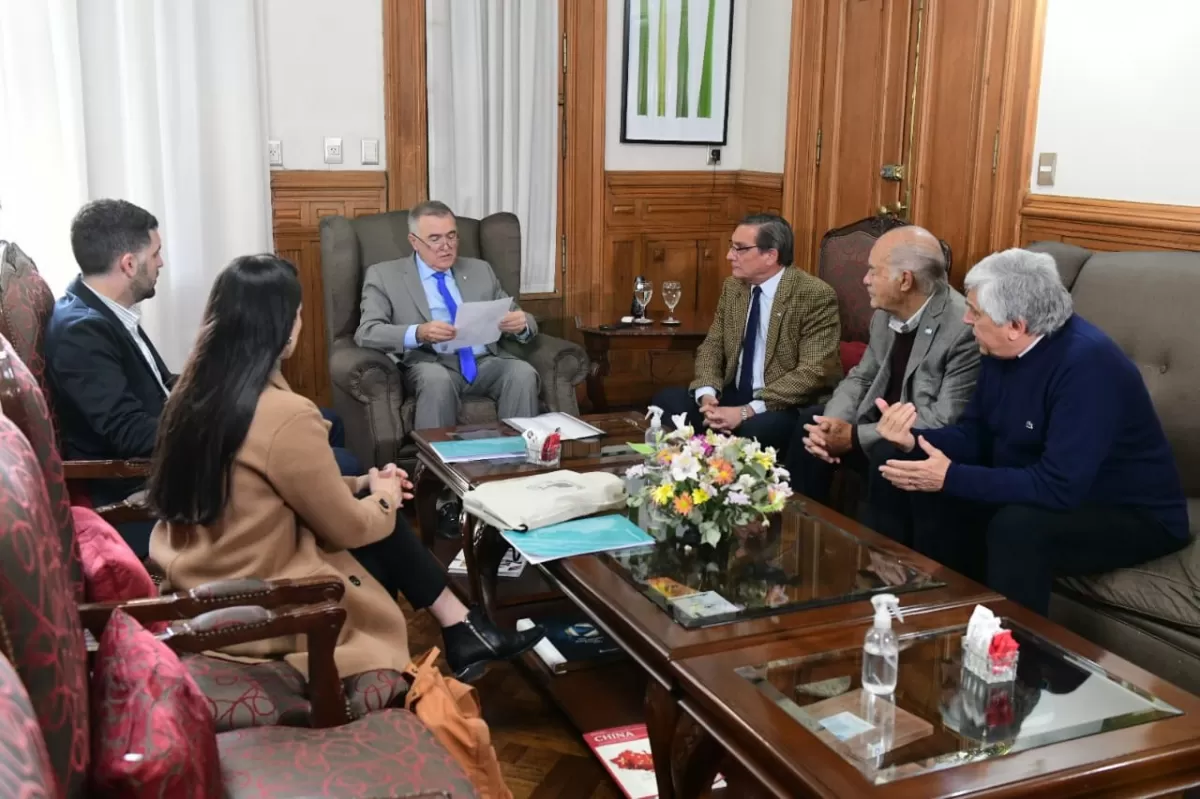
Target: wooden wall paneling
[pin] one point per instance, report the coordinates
(585, 27)
(1109, 225)
(404, 101)
(798, 196)
(298, 201)
(957, 114)
(1020, 81)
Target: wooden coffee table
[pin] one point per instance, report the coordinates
(829, 564)
(1077, 721)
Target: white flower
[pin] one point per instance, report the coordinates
(747, 482)
(682, 428)
(781, 475)
(636, 471)
(737, 498)
(684, 467)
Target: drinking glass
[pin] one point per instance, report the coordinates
(671, 292)
(643, 290)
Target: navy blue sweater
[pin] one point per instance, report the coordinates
(1068, 424)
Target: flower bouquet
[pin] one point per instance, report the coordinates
(713, 483)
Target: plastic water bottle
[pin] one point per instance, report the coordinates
(881, 650)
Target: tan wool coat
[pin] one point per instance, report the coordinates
(291, 514)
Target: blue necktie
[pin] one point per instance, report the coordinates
(745, 383)
(466, 357)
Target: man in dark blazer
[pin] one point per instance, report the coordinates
(920, 352)
(772, 346)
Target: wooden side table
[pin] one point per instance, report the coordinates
(601, 340)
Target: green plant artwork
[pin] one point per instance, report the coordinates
(704, 104)
(681, 92)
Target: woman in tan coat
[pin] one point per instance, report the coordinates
(246, 485)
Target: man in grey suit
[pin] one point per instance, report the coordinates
(920, 352)
(408, 311)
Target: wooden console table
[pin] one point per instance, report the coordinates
(654, 343)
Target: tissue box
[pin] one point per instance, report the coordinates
(985, 666)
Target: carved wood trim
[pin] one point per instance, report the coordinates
(298, 201)
(1109, 225)
(404, 102)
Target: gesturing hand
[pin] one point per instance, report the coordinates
(926, 475)
(895, 426)
(514, 322)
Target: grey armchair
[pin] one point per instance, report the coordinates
(367, 390)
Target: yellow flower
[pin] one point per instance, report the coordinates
(663, 493)
(683, 504)
(764, 460)
(700, 496)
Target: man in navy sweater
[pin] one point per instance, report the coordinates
(1059, 464)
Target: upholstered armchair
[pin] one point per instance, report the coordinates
(46, 695)
(367, 390)
(26, 303)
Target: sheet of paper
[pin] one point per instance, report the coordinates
(567, 425)
(477, 324)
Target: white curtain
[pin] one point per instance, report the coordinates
(158, 102)
(492, 81)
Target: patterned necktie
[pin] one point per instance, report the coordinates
(745, 383)
(466, 357)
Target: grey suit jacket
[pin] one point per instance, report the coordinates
(394, 299)
(939, 378)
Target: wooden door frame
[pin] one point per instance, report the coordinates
(1018, 121)
(404, 102)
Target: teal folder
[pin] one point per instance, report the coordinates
(480, 449)
(578, 537)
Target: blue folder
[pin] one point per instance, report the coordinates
(478, 449)
(578, 537)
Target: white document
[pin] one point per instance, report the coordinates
(477, 324)
(523, 503)
(567, 425)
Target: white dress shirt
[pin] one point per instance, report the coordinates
(911, 324)
(131, 320)
(765, 301)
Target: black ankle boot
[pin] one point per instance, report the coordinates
(475, 642)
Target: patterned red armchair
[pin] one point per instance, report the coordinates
(843, 264)
(25, 305)
(385, 754)
(240, 695)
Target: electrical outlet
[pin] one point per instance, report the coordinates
(275, 152)
(333, 150)
(714, 156)
(370, 152)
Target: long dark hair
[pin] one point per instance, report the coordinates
(247, 322)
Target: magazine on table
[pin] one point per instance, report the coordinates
(568, 426)
(625, 753)
(511, 565)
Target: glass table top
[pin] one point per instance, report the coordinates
(799, 561)
(941, 715)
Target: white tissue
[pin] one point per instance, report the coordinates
(980, 629)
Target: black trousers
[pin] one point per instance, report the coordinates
(403, 565)
(889, 509)
(1018, 550)
(770, 429)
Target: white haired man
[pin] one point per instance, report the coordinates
(1059, 465)
(920, 351)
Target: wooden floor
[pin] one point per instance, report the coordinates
(541, 755)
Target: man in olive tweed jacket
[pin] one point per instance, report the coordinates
(788, 322)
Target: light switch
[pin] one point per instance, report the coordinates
(370, 151)
(1047, 163)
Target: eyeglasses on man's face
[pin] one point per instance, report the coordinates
(437, 239)
(738, 249)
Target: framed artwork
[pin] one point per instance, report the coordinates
(675, 88)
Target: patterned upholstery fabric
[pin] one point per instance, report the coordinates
(23, 401)
(384, 754)
(112, 573)
(38, 612)
(154, 736)
(26, 303)
(242, 695)
(25, 769)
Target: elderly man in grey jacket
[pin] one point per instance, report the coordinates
(408, 311)
(920, 352)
